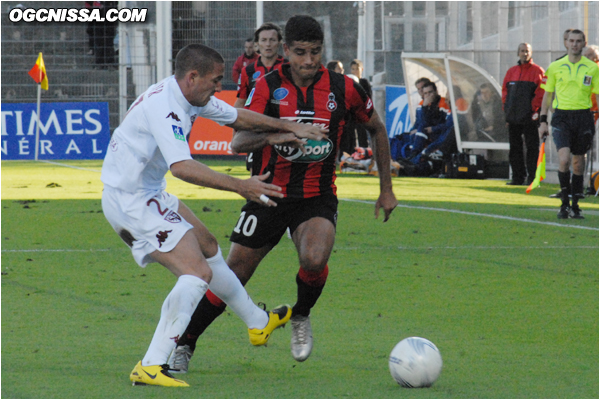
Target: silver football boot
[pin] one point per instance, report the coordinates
(180, 359)
(302, 339)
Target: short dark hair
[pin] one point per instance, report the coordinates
(250, 40)
(577, 32)
(196, 57)
(486, 86)
(303, 28)
(332, 64)
(430, 84)
(423, 79)
(357, 62)
(268, 26)
(566, 33)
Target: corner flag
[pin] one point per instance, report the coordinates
(38, 72)
(540, 172)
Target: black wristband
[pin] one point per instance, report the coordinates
(543, 118)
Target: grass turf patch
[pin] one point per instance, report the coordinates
(512, 305)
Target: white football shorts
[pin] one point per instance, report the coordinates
(146, 221)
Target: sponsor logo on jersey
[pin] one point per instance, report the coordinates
(302, 112)
(249, 98)
(256, 75)
(280, 94)
(173, 217)
(174, 116)
(587, 80)
(178, 132)
(316, 150)
(331, 104)
(114, 146)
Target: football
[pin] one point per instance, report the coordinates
(415, 362)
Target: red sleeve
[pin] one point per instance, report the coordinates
(359, 104)
(536, 103)
(244, 88)
(258, 98)
(237, 68)
(504, 88)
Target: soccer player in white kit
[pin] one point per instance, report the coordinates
(157, 226)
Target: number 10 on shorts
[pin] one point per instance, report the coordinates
(246, 226)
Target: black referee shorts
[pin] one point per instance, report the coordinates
(574, 129)
(259, 226)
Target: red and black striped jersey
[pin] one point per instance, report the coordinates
(330, 101)
(252, 73)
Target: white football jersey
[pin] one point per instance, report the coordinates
(153, 134)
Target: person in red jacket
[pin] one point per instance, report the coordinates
(521, 100)
(244, 60)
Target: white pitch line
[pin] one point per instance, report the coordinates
(484, 215)
(69, 166)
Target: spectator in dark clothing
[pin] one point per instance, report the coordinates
(487, 115)
(103, 34)
(521, 100)
(434, 125)
(356, 69)
(335, 66)
(355, 135)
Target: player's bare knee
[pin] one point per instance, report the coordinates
(208, 245)
(313, 262)
(203, 272)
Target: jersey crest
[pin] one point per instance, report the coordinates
(331, 104)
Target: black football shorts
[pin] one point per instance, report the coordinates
(573, 129)
(260, 226)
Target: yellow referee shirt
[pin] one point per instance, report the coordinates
(573, 84)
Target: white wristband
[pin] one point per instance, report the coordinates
(264, 198)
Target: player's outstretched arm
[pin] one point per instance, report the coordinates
(250, 120)
(247, 141)
(387, 198)
(196, 173)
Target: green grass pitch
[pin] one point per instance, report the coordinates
(507, 292)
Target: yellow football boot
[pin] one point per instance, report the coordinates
(277, 318)
(154, 375)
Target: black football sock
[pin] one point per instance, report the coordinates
(310, 287)
(564, 178)
(203, 316)
(576, 188)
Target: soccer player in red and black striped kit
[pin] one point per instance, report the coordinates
(304, 91)
(268, 38)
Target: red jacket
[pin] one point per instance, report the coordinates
(521, 92)
(241, 63)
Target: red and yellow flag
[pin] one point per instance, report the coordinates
(540, 172)
(38, 72)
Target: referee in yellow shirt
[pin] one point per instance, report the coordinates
(573, 78)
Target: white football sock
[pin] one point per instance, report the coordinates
(228, 288)
(175, 316)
